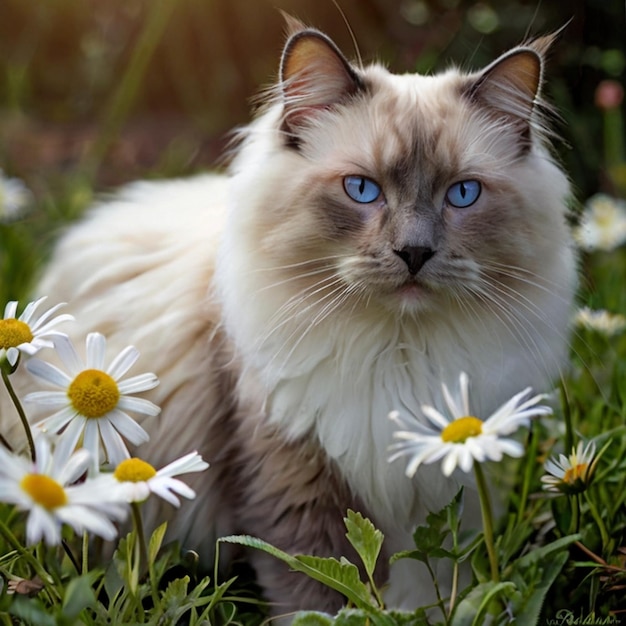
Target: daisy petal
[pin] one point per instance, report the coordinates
(47, 398)
(454, 409)
(128, 427)
(96, 350)
(164, 493)
(435, 417)
(48, 373)
(68, 440)
(113, 443)
(138, 405)
(68, 355)
(450, 462)
(10, 310)
(55, 423)
(12, 356)
(91, 441)
(42, 525)
(142, 382)
(123, 362)
(30, 309)
(191, 462)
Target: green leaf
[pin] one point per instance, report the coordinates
(312, 618)
(535, 573)
(341, 576)
(156, 540)
(365, 538)
(79, 595)
(31, 611)
(454, 511)
(472, 609)
(360, 617)
(429, 539)
(414, 618)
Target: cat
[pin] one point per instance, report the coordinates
(376, 235)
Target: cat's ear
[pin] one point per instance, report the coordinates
(511, 85)
(314, 75)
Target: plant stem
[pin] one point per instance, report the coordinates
(575, 505)
(485, 509)
(85, 554)
(455, 585)
(5, 443)
(70, 556)
(45, 577)
(436, 584)
(141, 537)
(20, 411)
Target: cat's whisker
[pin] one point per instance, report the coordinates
(528, 277)
(518, 298)
(296, 277)
(294, 308)
(289, 266)
(517, 321)
(306, 325)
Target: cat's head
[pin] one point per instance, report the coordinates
(359, 188)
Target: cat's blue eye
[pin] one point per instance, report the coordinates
(464, 193)
(361, 189)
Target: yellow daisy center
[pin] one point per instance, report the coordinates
(93, 393)
(44, 490)
(574, 473)
(462, 429)
(134, 471)
(14, 333)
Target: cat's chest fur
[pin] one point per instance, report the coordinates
(338, 380)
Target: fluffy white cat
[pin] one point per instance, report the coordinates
(376, 235)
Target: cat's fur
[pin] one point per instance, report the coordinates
(285, 323)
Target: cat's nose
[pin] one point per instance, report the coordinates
(415, 257)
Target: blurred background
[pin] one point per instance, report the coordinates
(94, 94)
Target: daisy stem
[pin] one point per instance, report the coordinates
(85, 555)
(143, 551)
(485, 509)
(20, 411)
(141, 536)
(45, 577)
(575, 504)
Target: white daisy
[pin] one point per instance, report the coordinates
(14, 198)
(94, 400)
(42, 489)
(465, 438)
(571, 474)
(602, 224)
(600, 321)
(28, 333)
(138, 479)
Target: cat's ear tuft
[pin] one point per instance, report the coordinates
(511, 84)
(510, 88)
(314, 75)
